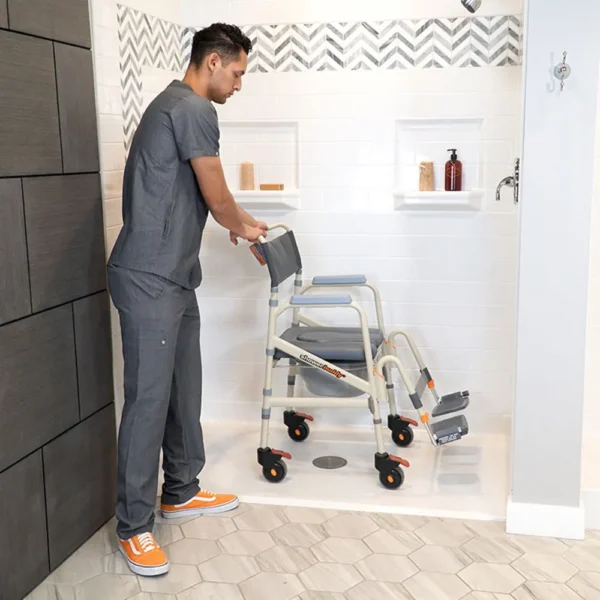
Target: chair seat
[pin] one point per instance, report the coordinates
(333, 344)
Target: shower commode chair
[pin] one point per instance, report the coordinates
(339, 365)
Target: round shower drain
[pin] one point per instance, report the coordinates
(330, 462)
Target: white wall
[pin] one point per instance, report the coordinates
(203, 12)
(447, 277)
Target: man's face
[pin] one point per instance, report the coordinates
(226, 76)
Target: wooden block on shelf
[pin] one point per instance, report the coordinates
(271, 187)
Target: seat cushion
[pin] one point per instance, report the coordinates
(344, 344)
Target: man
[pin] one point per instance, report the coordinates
(173, 179)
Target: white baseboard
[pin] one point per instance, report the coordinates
(543, 520)
(591, 502)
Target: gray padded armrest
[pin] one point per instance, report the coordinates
(340, 300)
(339, 280)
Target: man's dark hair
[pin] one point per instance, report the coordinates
(226, 40)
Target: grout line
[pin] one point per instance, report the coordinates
(41, 450)
(75, 356)
(112, 403)
(26, 246)
(60, 133)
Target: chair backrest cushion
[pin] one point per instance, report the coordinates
(281, 256)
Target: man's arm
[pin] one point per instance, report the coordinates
(223, 207)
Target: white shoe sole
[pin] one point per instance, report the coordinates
(144, 571)
(198, 512)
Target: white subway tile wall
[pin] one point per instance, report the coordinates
(449, 278)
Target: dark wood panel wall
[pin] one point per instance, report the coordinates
(57, 419)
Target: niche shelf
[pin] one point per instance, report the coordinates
(265, 200)
(441, 200)
(426, 139)
(273, 147)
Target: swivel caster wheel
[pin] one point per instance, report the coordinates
(276, 472)
(390, 470)
(403, 437)
(274, 468)
(299, 433)
(402, 433)
(298, 428)
(393, 479)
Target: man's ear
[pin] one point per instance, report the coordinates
(213, 61)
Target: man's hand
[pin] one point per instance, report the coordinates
(261, 227)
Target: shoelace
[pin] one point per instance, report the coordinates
(207, 493)
(147, 542)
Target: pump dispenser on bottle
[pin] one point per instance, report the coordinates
(453, 173)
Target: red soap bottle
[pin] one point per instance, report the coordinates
(453, 173)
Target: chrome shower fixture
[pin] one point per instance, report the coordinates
(472, 5)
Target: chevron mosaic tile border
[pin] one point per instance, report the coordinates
(428, 43)
(144, 41)
(402, 44)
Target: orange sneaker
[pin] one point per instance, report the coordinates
(203, 503)
(144, 556)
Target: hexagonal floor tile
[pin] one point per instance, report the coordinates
(396, 542)
(386, 568)
(350, 526)
(48, 591)
(107, 585)
(486, 596)
(339, 550)
(328, 577)
(436, 586)
(398, 522)
(585, 556)
(263, 518)
(494, 550)
(495, 529)
(538, 545)
(440, 559)
(545, 567)
(115, 563)
(377, 590)
(79, 567)
(178, 579)
(445, 533)
(211, 591)
(285, 559)
(228, 569)
(275, 586)
(167, 534)
(207, 528)
(312, 516)
(501, 579)
(321, 596)
(246, 543)
(299, 535)
(192, 551)
(587, 585)
(149, 596)
(535, 590)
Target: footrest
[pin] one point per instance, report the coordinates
(450, 430)
(451, 403)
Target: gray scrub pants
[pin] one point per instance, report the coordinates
(160, 329)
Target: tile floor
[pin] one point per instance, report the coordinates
(263, 552)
